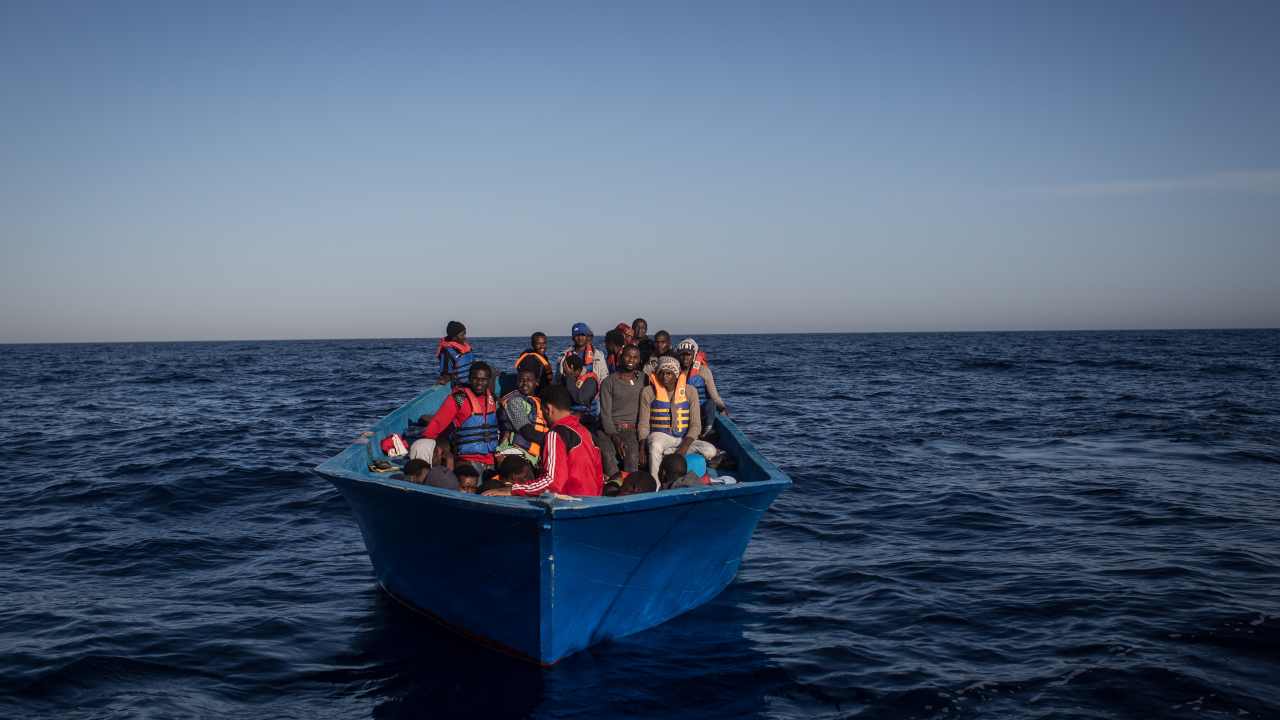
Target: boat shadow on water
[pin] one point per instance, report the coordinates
(414, 667)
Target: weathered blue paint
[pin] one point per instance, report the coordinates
(546, 578)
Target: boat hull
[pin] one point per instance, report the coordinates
(544, 578)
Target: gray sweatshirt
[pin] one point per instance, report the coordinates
(620, 401)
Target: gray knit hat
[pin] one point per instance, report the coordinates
(666, 362)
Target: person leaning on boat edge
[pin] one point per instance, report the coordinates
(472, 412)
(570, 461)
(454, 354)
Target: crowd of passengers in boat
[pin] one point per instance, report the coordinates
(636, 417)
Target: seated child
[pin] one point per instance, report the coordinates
(415, 471)
(468, 478)
(674, 473)
(636, 483)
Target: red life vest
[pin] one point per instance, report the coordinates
(698, 361)
(476, 422)
(457, 363)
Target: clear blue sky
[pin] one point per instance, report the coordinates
(177, 170)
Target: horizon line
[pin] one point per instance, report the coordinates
(503, 337)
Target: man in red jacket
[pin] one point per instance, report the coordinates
(472, 413)
(570, 462)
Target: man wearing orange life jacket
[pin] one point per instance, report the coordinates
(570, 463)
(454, 355)
(592, 359)
(697, 373)
(669, 418)
(535, 359)
(472, 413)
(522, 420)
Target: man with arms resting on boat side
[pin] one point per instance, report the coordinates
(620, 413)
(570, 462)
(535, 359)
(472, 412)
(669, 415)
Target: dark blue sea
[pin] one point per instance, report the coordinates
(1065, 525)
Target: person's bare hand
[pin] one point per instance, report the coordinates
(497, 492)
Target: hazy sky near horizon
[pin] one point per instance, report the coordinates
(290, 170)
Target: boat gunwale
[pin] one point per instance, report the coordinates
(336, 468)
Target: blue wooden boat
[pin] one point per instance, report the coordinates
(544, 578)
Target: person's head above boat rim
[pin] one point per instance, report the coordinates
(673, 468)
(639, 328)
(527, 382)
(556, 403)
(687, 350)
(668, 372)
(468, 478)
(479, 377)
(456, 331)
(415, 471)
(538, 342)
(661, 342)
(581, 335)
(514, 469)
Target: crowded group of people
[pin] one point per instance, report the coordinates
(634, 416)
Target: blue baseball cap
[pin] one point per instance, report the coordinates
(581, 329)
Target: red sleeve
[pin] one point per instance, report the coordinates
(555, 469)
(442, 419)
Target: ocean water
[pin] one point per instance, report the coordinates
(1067, 525)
